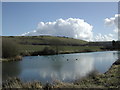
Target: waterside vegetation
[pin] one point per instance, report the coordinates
(14, 47)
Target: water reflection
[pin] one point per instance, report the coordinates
(67, 70)
(64, 67)
(118, 54)
(103, 61)
(10, 69)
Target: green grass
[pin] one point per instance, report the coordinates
(35, 48)
(30, 44)
(45, 40)
(79, 48)
(9, 48)
(32, 48)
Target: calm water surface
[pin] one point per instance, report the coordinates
(64, 67)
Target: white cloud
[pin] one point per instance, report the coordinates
(71, 27)
(113, 21)
(76, 28)
(101, 37)
(109, 21)
(115, 30)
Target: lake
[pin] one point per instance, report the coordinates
(63, 67)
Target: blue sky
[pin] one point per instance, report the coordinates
(21, 17)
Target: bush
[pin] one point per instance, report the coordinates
(9, 48)
(45, 51)
(48, 51)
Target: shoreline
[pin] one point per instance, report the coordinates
(109, 79)
(19, 57)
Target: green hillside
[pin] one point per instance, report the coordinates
(45, 40)
(28, 45)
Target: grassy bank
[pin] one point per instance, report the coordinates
(110, 79)
(17, 46)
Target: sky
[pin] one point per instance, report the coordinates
(89, 21)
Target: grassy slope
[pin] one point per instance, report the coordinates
(45, 40)
(38, 43)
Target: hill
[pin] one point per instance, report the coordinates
(46, 40)
(37, 45)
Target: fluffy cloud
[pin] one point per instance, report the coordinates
(113, 21)
(76, 28)
(101, 37)
(71, 27)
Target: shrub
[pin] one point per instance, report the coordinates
(47, 50)
(9, 48)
